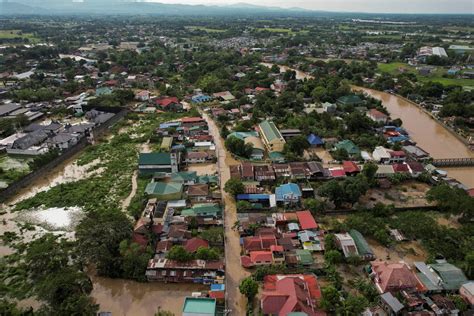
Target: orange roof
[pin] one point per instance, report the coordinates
(306, 220)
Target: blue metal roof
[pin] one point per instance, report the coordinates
(217, 287)
(289, 190)
(253, 196)
(315, 140)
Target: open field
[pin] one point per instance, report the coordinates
(281, 30)
(205, 29)
(12, 34)
(436, 76)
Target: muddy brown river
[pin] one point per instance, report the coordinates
(427, 133)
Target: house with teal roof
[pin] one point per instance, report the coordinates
(199, 306)
(150, 163)
(165, 191)
(186, 177)
(203, 210)
(348, 146)
(352, 99)
(242, 135)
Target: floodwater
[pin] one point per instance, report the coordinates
(428, 133)
(236, 302)
(424, 130)
(203, 169)
(130, 298)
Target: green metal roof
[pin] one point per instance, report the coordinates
(183, 176)
(361, 244)
(154, 159)
(350, 99)
(199, 306)
(349, 146)
(270, 130)
(205, 209)
(208, 179)
(242, 135)
(162, 188)
(452, 276)
(304, 256)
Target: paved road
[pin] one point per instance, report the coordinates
(236, 302)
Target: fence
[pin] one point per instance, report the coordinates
(14, 187)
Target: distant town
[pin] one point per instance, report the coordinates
(279, 164)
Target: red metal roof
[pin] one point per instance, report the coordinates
(217, 294)
(350, 167)
(337, 173)
(401, 167)
(261, 256)
(167, 101)
(192, 119)
(193, 244)
(306, 220)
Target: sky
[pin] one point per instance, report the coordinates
(377, 6)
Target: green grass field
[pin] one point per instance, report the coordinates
(281, 30)
(436, 76)
(12, 34)
(204, 29)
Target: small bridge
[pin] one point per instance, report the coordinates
(453, 162)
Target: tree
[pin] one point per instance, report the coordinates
(161, 312)
(238, 147)
(333, 191)
(330, 299)
(214, 235)
(207, 254)
(355, 305)
(243, 206)
(180, 254)
(314, 205)
(135, 260)
(353, 188)
(469, 264)
(369, 171)
(98, 240)
(297, 145)
(330, 242)
(249, 287)
(234, 186)
(340, 154)
(332, 257)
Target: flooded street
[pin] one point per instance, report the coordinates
(300, 75)
(427, 133)
(234, 271)
(130, 298)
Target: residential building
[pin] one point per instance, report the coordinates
(345, 242)
(394, 277)
(363, 248)
(291, 295)
(271, 136)
(350, 168)
(315, 141)
(348, 146)
(350, 100)
(391, 304)
(203, 210)
(467, 292)
(199, 306)
(289, 193)
(165, 191)
(194, 271)
(149, 163)
(381, 155)
(377, 116)
(306, 220)
(258, 147)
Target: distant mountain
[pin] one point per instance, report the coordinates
(114, 7)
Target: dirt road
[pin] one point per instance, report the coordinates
(236, 302)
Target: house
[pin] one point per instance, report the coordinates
(199, 306)
(186, 177)
(306, 220)
(62, 141)
(391, 304)
(310, 240)
(451, 276)
(350, 168)
(143, 95)
(291, 294)
(165, 191)
(384, 171)
(467, 292)
(377, 116)
(264, 173)
(315, 141)
(166, 143)
(193, 244)
(258, 243)
(329, 107)
(258, 148)
(401, 168)
(397, 156)
(198, 192)
(271, 136)
(203, 210)
(288, 193)
(350, 100)
(200, 98)
(224, 96)
(416, 153)
(196, 157)
(149, 163)
(304, 257)
(290, 133)
(257, 258)
(363, 247)
(348, 146)
(394, 277)
(381, 155)
(169, 104)
(193, 121)
(194, 271)
(346, 244)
